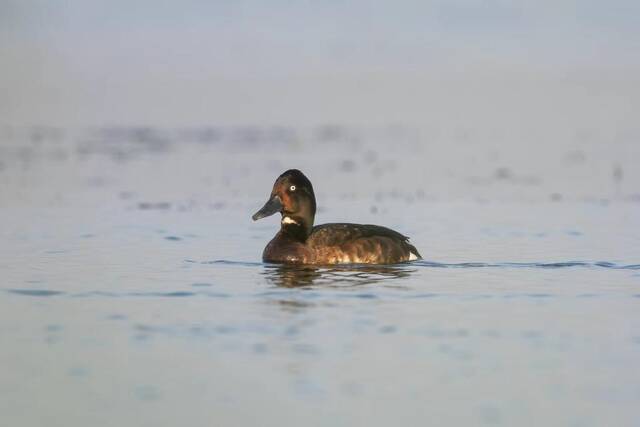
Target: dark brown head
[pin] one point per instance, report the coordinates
(293, 197)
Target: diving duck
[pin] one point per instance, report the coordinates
(300, 242)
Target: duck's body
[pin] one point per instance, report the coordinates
(299, 242)
(342, 244)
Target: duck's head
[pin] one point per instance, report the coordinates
(293, 197)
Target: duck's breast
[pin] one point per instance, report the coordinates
(283, 250)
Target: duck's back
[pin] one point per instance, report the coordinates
(359, 243)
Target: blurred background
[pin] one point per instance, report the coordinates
(544, 94)
(491, 64)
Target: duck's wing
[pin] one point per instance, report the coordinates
(365, 240)
(337, 234)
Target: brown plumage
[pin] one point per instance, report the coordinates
(298, 241)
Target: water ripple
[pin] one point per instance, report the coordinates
(435, 264)
(229, 262)
(347, 276)
(562, 264)
(35, 292)
(110, 294)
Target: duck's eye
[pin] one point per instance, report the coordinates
(292, 188)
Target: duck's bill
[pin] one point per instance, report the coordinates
(272, 206)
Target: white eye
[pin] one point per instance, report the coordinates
(292, 188)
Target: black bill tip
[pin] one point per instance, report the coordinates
(272, 206)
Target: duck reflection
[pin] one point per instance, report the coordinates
(295, 276)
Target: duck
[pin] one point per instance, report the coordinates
(299, 241)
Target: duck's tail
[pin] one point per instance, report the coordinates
(413, 252)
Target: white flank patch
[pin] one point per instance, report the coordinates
(287, 220)
(412, 256)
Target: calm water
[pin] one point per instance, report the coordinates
(132, 290)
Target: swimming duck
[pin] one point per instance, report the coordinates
(299, 242)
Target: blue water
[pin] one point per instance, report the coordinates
(133, 292)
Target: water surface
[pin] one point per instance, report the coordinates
(133, 292)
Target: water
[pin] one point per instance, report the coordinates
(132, 288)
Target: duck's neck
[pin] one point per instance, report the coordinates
(295, 227)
